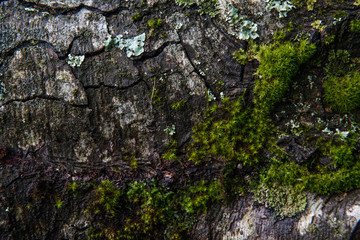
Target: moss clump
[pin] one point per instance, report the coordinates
(355, 25)
(136, 17)
(142, 210)
(107, 199)
(343, 93)
(341, 175)
(154, 23)
(339, 63)
(342, 83)
(197, 198)
(279, 62)
(209, 7)
(178, 105)
(231, 131)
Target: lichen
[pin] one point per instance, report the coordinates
(240, 27)
(282, 6)
(170, 131)
(133, 46)
(75, 61)
(2, 91)
(285, 200)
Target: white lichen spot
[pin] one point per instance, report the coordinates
(170, 131)
(202, 73)
(343, 134)
(178, 26)
(306, 221)
(210, 96)
(222, 96)
(75, 61)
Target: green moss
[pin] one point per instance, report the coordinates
(171, 149)
(58, 202)
(339, 63)
(179, 105)
(136, 17)
(196, 199)
(154, 23)
(231, 131)
(341, 90)
(279, 63)
(355, 25)
(209, 7)
(343, 93)
(310, 4)
(107, 198)
(341, 175)
(329, 39)
(142, 210)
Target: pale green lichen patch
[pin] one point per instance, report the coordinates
(287, 201)
(283, 7)
(240, 27)
(133, 46)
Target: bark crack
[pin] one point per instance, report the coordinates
(45, 97)
(56, 11)
(102, 84)
(194, 66)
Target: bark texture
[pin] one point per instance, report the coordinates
(60, 123)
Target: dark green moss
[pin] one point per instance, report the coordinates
(209, 7)
(341, 85)
(142, 210)
(136, 17)
(231, 131)
(343, 93)
(355, 25)
(341, 175)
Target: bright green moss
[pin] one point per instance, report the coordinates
(178, 105)
(343, 93)
(107, 198)
(155, 23)
(196, 199)
(279, 63)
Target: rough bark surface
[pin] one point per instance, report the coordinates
(60, 123)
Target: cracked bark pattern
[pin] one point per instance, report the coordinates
(60, 123)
